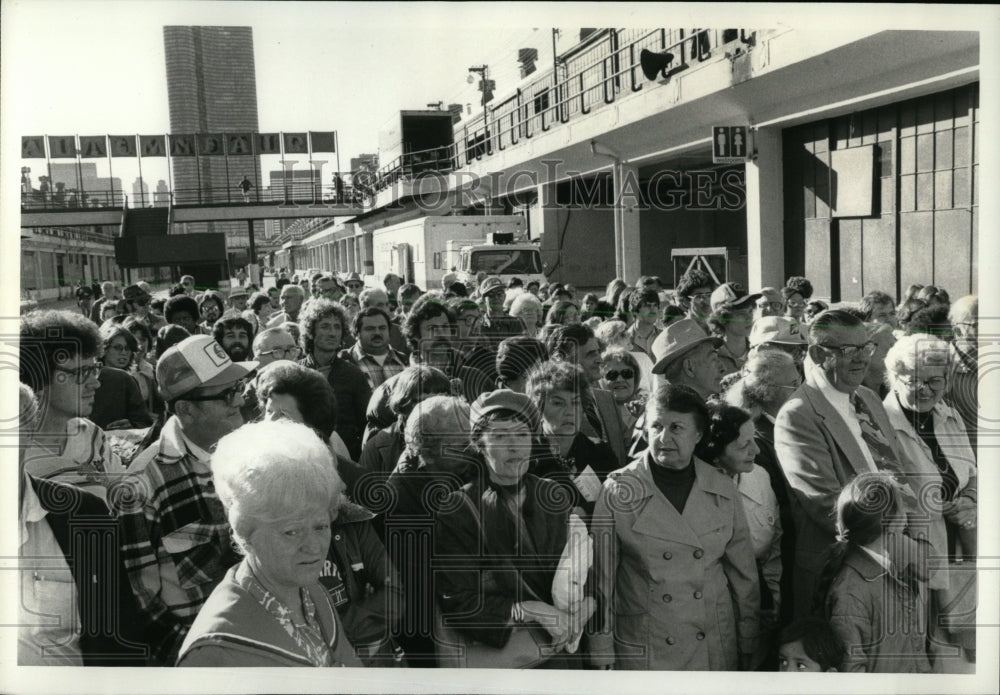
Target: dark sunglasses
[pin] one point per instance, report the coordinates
(614, 374)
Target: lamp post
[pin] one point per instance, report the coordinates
(484, 76)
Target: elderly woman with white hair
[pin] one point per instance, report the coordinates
(280, 490)
(528, 308)
(932, 436)
(939, 460)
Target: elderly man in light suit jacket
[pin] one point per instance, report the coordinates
(823, 439)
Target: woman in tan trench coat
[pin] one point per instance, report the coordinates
(676, 579)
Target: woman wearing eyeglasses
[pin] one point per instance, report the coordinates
(932, 433)
(621, 376)
(936, 451)
(118, 403)
(796, 293)
(563, 453)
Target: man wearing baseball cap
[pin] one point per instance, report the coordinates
(177, 544)
(770, 303)
(495, 324)
(778, 333)
(731, 317)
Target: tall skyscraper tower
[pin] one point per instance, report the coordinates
(212, 88)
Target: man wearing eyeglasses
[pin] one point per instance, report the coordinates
(770, 303)
(177, 544)
(274, 344)
(779, 334)
(695, 290)
(58, 360)
(828, 432)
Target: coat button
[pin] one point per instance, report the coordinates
(700, 636)
(698, 554)
(697, 594)
(667, 556)
(337, 537)
(671, 640)
(667, 598)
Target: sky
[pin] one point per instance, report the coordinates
(94, 67)
(98, 67)
(91, 68)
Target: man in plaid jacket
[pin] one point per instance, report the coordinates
(176, 542)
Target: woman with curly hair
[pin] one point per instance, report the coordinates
(796, 293)
(118, 403)
(622, 377)
(563, 453)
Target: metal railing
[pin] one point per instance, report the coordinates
(554, 99)
(72, 200)
(410, 165)
(594, 74)
(297, 192)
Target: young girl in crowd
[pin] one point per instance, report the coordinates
(809, 645)
(877, 609)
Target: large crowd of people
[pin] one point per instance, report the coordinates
(328, 474)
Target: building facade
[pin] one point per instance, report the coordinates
(212, 88)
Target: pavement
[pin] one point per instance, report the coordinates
(161, 290)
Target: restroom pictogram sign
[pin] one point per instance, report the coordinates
(730, 144)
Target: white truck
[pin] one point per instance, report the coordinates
(423, 250)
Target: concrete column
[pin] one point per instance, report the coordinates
(765, 212)
(544, 223)
(628, 255)
(544, 215)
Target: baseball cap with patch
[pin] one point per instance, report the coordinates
(195, 363)
(733, 294)
(489, 284)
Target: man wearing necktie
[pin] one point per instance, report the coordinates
(829, 431)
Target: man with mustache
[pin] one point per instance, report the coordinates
(234, 334)
(372, 352)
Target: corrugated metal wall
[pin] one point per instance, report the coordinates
(926, 198)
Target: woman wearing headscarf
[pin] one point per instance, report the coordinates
(500, 539)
